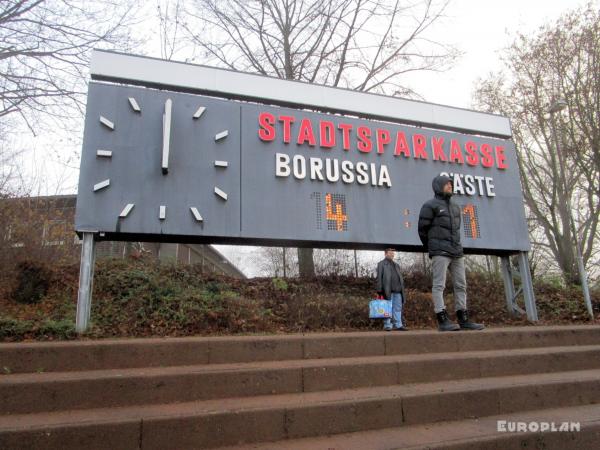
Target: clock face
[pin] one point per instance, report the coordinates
(159, 163)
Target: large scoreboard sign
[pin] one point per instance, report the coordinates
(163, 165)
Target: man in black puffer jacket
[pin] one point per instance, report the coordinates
(439, 231)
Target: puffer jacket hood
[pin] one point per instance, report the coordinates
(438, 184)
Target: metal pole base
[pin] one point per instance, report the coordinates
(526, 288)
(86, 279)
(509, 287)
(584, 285)
(527, 282)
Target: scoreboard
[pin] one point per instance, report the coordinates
(169, 163)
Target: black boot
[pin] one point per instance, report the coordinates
(444, 323)
(465, 323)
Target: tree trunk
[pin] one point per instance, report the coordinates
(284, 264)
(306, 265)
(568, 263)
(496, 265)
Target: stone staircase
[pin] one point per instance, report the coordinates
(367, 390)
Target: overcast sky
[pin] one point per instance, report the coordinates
(481, 29)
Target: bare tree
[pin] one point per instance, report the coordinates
(366, 45)
(44, 57)
(169, 15)
(560, 62)
(35, 229)
(330, 261)
(275, 262)
(9, 170)
(44, 52)
(334, 262)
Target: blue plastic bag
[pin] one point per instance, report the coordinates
(380, 309)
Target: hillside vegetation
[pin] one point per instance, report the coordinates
(137, 297)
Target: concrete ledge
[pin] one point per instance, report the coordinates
(29, 393)
(129, 353)
(474, 434)
(365, 344)
(344, 417)
(206, 392)
(213, 430)
(489, 398)
(247, 420)
(98, 436)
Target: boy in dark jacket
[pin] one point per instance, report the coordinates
(439, 231)
(391, 286)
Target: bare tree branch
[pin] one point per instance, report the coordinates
(44, 50)
(365, 45)
(561, 61)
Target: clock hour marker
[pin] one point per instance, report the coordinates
(196, 214)
(127, 210)
(220, 193)
(200, 111)
(134, 104)
(107, 123)
(221, 163)
(166, 135)
(104, 153)
(221, 135)
(101, 185)
(162, 212)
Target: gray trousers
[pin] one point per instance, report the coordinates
(439, 265)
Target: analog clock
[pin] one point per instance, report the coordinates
(159, 163)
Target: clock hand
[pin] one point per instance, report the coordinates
(166, 136)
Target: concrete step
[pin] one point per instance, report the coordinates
(470, 434)
(132, 353)
(56, 391)
(231, 421)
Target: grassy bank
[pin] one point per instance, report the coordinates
(140, 298)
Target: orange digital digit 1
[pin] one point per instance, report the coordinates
(469, 210)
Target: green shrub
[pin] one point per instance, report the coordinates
(61, 329)
(553, 281)
(280, 284)
(229, 295)
(12, 328)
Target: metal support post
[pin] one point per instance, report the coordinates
(527, 284)
(509, 285)
(584, 284)
(526, 287)
(86, 281)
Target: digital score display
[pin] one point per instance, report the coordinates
(338, 220)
